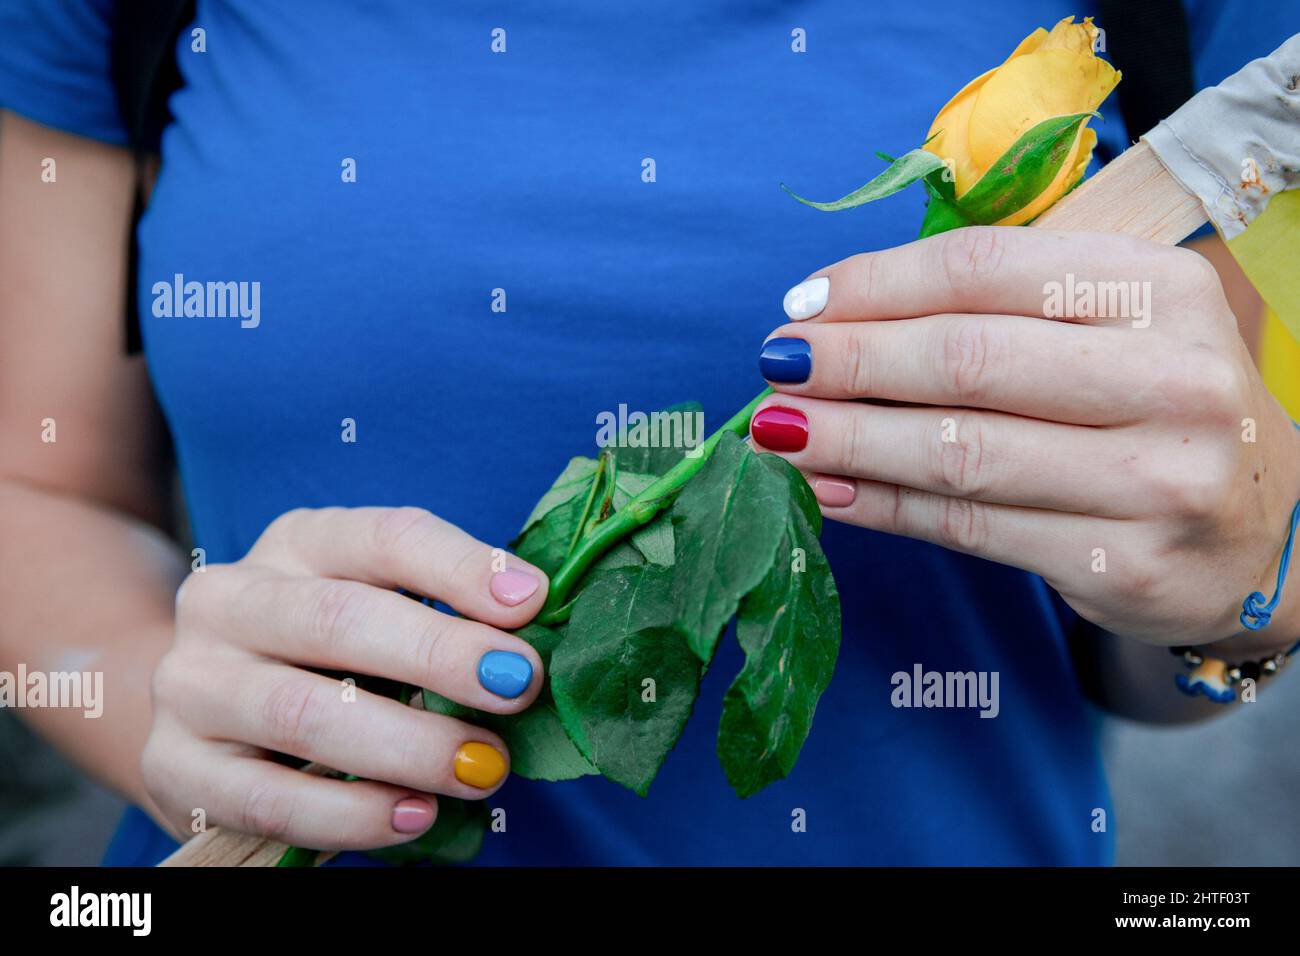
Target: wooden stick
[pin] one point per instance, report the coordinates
(1134, 194)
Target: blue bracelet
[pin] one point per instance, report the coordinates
(1257, 610)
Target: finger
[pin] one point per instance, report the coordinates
(1048, 543)
(1064, 373)
(266, 799)
(339, 725)
(985, 456)
(413, 549)
(344, 625)
(991, 269)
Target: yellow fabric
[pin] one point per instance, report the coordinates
(1267, 253)
(1279, 362)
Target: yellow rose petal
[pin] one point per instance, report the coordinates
(1068, 35)
(1030, 89)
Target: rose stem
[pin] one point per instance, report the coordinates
(653, 499)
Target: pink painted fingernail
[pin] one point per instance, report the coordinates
(412, 815)
(513, 586)
(835, 492)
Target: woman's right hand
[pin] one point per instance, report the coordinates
(316, 590)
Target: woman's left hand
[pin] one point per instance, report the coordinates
(1079, 405)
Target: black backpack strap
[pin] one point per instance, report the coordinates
(1149, 43)
(145, 74)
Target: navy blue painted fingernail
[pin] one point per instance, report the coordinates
(505, 673)
(785, 360)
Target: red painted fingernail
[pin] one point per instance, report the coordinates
(412, 815)
(780, 429)
(834, 492)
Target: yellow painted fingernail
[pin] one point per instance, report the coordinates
(479, 765)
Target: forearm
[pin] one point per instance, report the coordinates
(86, 589)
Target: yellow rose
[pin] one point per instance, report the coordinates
(1049, 74)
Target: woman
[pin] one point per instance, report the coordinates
(455, 237)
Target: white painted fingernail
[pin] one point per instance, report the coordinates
(807, 298)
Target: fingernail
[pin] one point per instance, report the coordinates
(807, 298)
(835, 492)
(505, 673)
(479, 765)
(780, 429)
(785, 360)
(412, 815)
(513, 586)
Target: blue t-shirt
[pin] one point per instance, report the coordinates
(522, 171)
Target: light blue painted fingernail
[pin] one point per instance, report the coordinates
(505, 673)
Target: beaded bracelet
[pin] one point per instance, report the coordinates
(1217, 679)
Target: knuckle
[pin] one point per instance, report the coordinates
(959, 467)
(1198, 492)
(431, 647)
(1193, 273)
(970, 352)
(283, 525)
(852, 447)
(398, 529)
(1202, 385)
(292, 713)
(265, 810)
(202, 594)
(168, 684)
(972, 256)
(338, 608)
(465, 567)
(1138, 585)
(857, 366)
(963, 524)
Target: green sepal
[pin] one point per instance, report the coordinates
(1023, 172)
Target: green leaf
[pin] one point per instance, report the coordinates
(789, 629)
(455, 837)
(624, 679)
(1024, 171)
(574, 482)
(539, 747)
(901, 173)
(727, 523)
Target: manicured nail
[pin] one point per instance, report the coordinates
(835, 492)
(807, 298)
(780, 429)
(785, 360)
(505, 673)
(513, 586)
(412, 815)
(479, 765)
